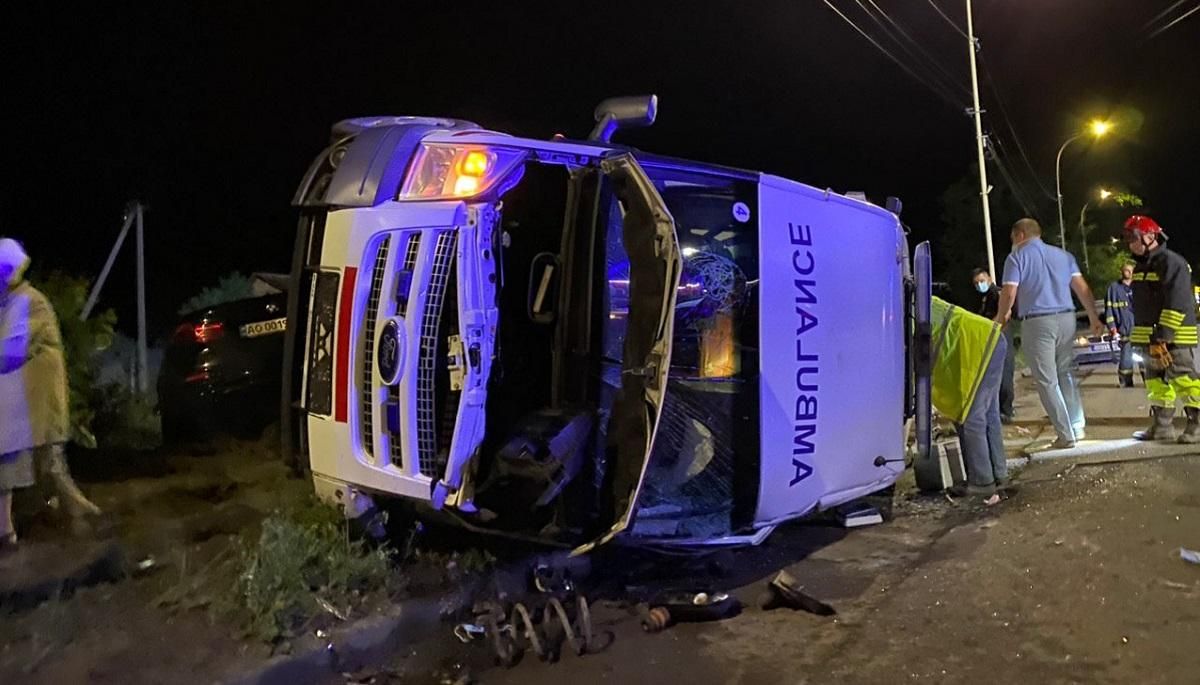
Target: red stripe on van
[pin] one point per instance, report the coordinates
(345, 324)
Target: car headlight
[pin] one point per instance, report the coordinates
(441, 171)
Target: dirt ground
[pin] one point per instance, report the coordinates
(1077, 579)
(178, 514)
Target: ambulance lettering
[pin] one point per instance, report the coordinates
(804, 432)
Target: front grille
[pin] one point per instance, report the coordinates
(404, 276)
(427, 362)
(403, 288)
(368, 357)
(322, 320)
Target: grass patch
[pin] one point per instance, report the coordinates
(458, 564)
(125, 419)
(304, 566)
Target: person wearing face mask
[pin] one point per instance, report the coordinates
(1118, 316)
(34, 417)
(1042, 277)
(1164, 329)
(989, 305)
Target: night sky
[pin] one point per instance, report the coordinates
(211, 111)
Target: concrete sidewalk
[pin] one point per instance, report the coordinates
(1112, 412)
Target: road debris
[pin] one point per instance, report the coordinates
(656, 619)
(688, 607)
(785, 591)
(1189, 555)
(468, 632)
(327, 606)
(514, 629)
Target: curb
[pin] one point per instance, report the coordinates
(1112, 451)
(353, 647)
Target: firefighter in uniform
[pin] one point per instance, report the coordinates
(1164, 328)
(1118, 316)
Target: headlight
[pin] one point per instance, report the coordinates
(441, 171)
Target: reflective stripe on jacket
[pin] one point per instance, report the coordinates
(1164, 308)
(963, 344)
(1118, 308)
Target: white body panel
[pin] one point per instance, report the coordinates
(336, 448)
(832, 348)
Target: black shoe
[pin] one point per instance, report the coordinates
(1006, 419)
(966, 490)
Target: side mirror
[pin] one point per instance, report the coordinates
(543, 287)
(623, 112)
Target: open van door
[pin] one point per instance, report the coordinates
(648, 233)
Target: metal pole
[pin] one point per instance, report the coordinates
(972, 46)
(141, 295)
(1083, 236)
(112, 257)
(1062, 230)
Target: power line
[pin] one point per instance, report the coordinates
(917, 64)
(1162, 14)
(899, 28)
(1013, 130)
(1178, 19)
(949, 21)
(1029, 206)
(939, 91)
(1018, 193)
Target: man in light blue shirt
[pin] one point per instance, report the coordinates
(1041, 278)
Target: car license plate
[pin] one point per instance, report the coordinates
(260, 328)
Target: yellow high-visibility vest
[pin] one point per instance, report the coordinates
(963, 345)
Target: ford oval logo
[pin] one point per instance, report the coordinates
(389, 354)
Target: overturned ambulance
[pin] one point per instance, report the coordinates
(571, 341)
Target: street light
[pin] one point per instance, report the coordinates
(1099, 127)
(1104, 194)
(1096, 128)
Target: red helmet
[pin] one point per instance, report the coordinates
(1139, 223)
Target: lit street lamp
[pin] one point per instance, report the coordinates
(1097, 128)
(1104, 194)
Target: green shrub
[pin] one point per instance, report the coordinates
(125, 419)
(232, 286)
(81, 341)
(302, 565)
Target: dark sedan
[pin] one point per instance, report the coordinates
(222, 369)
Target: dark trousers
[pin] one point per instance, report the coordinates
(1125, 364)
(980, 436)
(1006, 380)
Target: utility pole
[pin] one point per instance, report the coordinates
(143, 370)
(133, 219)
(972, 47)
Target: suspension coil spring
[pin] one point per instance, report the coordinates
(543, 630)
(656, 619)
